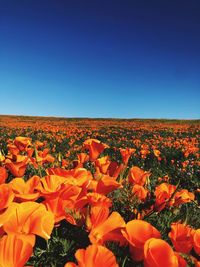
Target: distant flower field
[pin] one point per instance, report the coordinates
(83, 192)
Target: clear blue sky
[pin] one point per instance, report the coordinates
(100, 58)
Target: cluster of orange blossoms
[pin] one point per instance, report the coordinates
(80, 197)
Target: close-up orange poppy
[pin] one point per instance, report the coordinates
(100, 233)
(94, 255)
(27, 218)
(17, 168)
(25, 191)
(158, 252)
(138, 176)
(15, 250)
(95, 148)
(137, 232)
(181, 237)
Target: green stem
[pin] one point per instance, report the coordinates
(124, 262)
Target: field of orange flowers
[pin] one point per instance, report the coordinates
(96, 192)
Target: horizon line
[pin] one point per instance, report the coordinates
(98, 118)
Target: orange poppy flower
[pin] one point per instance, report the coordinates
(25, 191)
(163, 193)
(3, 175)
(78, 176)
(6, 196)
(107, 184)
(95, 148)
(144, 153)
(115, 169)
(38, 144)
(158, 253)
(44, 157)
(50, 185)
(101, 233)
(126, 153)
(30, 152)
(94, 255)
(82, 158)
(63, 202)
(140, 192)
(183, 196)
(181, 237)
(196, 241)
(93, 199)
(137, 232)
(15, 250)
(157, 153)
(55, 205)
(138, 176)
(97, 215)
(19, 158)
(27, 218)
(13, 150)
(22, 142)
(102, 164)
(17, 168)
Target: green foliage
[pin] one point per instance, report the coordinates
(61, 247)
(124, 202)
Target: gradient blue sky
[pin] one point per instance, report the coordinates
(100, 58)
